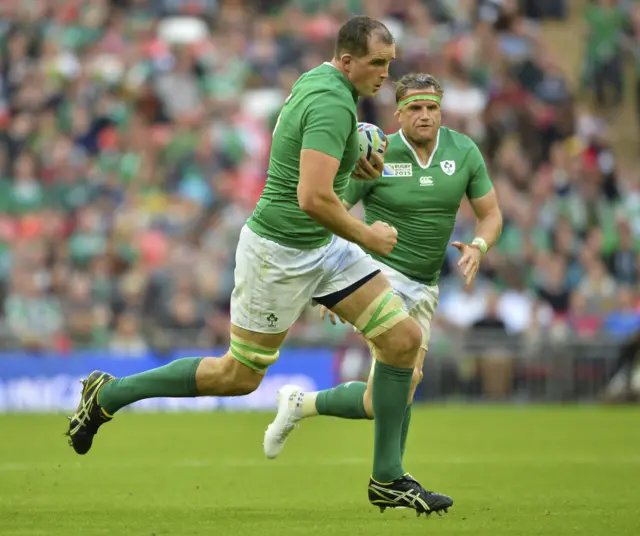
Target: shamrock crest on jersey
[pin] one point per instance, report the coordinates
(448, 166)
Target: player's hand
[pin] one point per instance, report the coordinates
(332, 315)
(469, 263)
(367, 171)
(383, 239)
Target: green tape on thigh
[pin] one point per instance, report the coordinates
(255, 366)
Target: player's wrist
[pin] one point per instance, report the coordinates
(480, 244)
(364, 235)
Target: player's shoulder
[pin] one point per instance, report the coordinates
(454, 140)
(324, 82)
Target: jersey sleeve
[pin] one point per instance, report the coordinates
(479, 183)
(328, 123)
(357, 190)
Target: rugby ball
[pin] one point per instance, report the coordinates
(372, 140)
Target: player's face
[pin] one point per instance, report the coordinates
(420, 119)
(368, 72)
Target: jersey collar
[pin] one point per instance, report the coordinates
(415, 155)
(344, 80)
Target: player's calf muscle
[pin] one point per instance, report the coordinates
(415, 381)
(368, 394)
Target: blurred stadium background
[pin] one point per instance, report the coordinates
(135, 136)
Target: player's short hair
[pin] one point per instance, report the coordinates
(417, 81)
(353, 37)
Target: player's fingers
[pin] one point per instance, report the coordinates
(332, 317)
(471, 271)
(342, 320)
(458, 245)
(323, 312)
(378, 161)
(367, 168)
(472, 265)
(464, 260)
(468, 276)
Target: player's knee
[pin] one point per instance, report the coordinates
(225, 376)
(242, 379)
(402, 343)
(393, 333)
(412, 337)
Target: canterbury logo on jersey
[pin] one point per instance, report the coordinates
(397, 170)
(426, 181)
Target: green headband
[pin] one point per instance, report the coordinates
(423, 96)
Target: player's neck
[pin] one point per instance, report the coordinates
(337, 65)
(423, 150)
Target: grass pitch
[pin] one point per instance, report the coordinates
(523, 471)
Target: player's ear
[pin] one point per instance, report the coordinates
(347, 61)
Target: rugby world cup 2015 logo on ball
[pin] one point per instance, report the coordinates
(372, 140)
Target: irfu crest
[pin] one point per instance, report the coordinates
(448, 166)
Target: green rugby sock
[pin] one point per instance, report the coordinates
(346, 401)
(391, 387)
(176, 380)
(405, 430)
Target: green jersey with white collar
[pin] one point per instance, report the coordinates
(422, 201)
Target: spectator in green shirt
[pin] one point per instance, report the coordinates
(606, 23)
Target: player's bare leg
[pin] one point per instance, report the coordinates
(238, 372)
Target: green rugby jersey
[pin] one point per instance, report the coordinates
(422, 202)
(319, 114)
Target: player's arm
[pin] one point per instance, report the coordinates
(484, 201)
(318, 200)
(488, 217)
(327, 125)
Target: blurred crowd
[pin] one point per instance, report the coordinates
(135, 137)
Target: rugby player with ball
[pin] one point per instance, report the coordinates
(301, 244)
(429, 169)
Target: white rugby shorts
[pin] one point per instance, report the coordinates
(274, 283)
